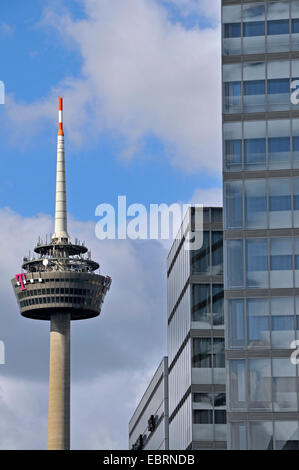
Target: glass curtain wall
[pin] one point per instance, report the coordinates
(261, 224)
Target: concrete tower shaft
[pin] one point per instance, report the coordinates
(59, 383)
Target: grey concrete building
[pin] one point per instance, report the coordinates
(260, 60)
(197, 400)
(148, 427)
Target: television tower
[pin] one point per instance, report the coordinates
(60, 285)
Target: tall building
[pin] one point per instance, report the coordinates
(60, 284)
(196, 360)
(260, 59)
(148, 427)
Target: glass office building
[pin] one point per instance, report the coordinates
(197, 399)
(148, 427)
(260, 62)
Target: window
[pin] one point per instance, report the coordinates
(218, 353)
(234, 264)
(255, 151)
(232, 30)
(203, 416)
(279, 150)
(258, 323)
(284, 385)
(286, 435)
(259, 375)
(282, 320)
(202, 353)
(237, 383)
(233, 152)
(278, 27)
(279, 86)
(254, 28)
(236, 323)
(220, 417)
(256, 263)
(295, 26)
(254, 87)
(261, 434)
(232, 93)
(217, 304)
(201, 303)
(256, 204)
(234, 205)
(280, 203)
(217, 252)
(281, 274)
(201, 258)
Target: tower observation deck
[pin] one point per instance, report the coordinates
(59, 283)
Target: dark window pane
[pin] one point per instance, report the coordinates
(201, 258)
(220, 400)
(202, 353)
(254, 28)
(279, 144)
(295, 26)
(217, 252)
(217, 299)
(202, 416)
(280, 262)
(278, 27)
(279, 85)
(232, 30)
(220, 417)
(201, 302)
(219, 355)
(254, 87)
(255, 150)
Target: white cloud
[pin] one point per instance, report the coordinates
(208, 197)
(141, 76)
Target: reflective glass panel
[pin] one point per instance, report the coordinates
(282, 320)
(256, 263)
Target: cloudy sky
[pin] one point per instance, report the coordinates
(141, 87)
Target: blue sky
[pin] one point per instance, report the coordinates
(34, 59)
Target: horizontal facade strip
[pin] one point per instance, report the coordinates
(208, 388)
(264, 116)
(235, 416)
(208, 445)
(207, 333)
(246, 175)
(256, 353)
(203, 279)
(238, 2)
(260, 293)
(233, 59)
(261, 233)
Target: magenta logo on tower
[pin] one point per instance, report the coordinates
(21, 280)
